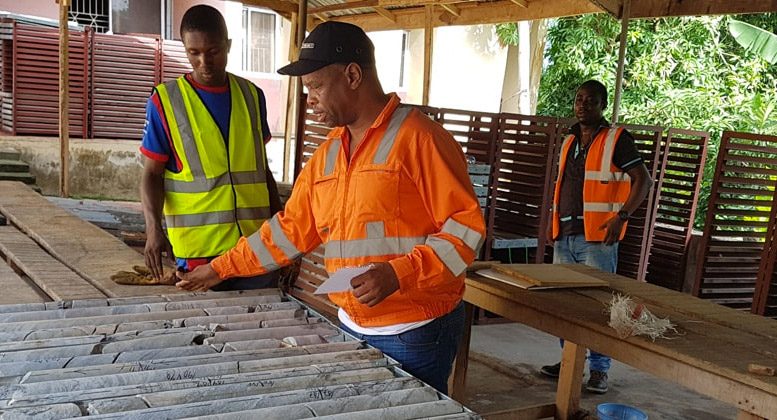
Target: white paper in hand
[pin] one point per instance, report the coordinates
(340, 280)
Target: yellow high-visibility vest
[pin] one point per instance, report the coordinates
(219, 194)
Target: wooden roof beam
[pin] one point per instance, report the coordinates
(345, 6)
(612, 7)
(410, 3)
(471, 13)
(658, 8)
(285, 7)
(451, 9)
(386, 14)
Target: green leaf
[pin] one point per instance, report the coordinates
(507, 33)
(754, 39)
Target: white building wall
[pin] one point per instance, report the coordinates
(468, 67)
(388, 59)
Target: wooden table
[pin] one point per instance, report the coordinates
(64, 256)
(709, 354)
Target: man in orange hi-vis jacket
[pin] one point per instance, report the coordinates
(601, 181)
(389, 189)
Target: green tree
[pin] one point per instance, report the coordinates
(685, 72)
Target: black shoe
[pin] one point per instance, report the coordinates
(551, 370)
(597, 383)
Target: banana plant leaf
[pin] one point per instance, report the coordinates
(754, 39)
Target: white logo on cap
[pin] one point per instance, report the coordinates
(308, 45)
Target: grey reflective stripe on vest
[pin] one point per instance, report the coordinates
(185, 129)
(208, 184)
(216, 217)
(606, 176)
(253, 114)
(447, 254)
(387, 142)
(602, 207)
(609, 149)
(472, 238)
(562, 156)
(371, 247)
(200, 183)
(331, 156)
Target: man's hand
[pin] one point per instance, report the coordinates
(156, 244)
(200, 279)
(613, 228)
(378, 283)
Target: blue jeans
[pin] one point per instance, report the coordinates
(574, 249)
(426, 352)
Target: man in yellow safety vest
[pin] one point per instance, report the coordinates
(206, 166)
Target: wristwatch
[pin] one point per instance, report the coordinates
(623, 215)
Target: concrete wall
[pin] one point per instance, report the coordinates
(39, 8)
(107, 169)
(181, 6)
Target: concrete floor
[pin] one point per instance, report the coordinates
(504, 373)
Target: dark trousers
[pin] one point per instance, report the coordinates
(262, 281)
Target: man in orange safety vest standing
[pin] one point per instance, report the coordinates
(601, 181)
(388, 189)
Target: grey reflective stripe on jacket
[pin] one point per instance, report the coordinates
(386, 142)
(447, 253)
(331, 156)
(371, 247)
(376, 243)
(446, 250)
(279, 239)
(390, 136)
(200, 183)
(472, 238)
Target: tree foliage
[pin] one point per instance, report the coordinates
(685, 72)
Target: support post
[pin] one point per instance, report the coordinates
(64, 135)
(428, 46)
(616, 102)
(295, 99)
(570, 380)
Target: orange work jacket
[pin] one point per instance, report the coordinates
(404, 198)
(605, 187)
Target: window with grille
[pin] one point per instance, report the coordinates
(259, 49)
(94, 13)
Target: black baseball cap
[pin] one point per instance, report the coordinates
(329, 43)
